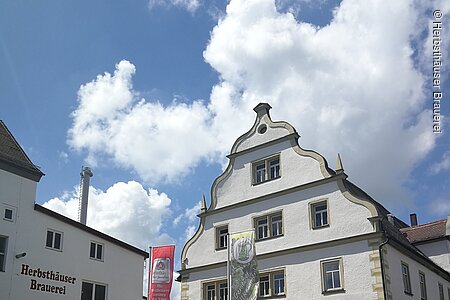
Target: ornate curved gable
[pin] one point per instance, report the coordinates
(266, 138)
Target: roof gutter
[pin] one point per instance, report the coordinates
(380, 248)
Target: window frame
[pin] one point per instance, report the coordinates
(268, 218)
(266, 172)
(94, 288)
(219, 235)
(312, 213)
(441, 291)
(423, 286)
(406, 278)
(3, 254)
(325, 289)
(13, 213)
(96, 246)
(217, 289)
(271, 283)
(54, 233)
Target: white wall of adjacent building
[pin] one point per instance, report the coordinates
(438, 251)
(120, 269)
(394, 259)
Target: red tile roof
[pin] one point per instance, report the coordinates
(425, 232)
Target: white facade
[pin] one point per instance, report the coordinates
(329, 227)
(31, 269)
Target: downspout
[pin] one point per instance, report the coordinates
(381, 260)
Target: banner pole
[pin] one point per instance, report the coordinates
(228, 267)
(150, 263)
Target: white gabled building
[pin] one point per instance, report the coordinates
(318, 235)
(44, 255)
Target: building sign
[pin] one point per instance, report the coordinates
(47, 281)
(161, 273)
(243, 272)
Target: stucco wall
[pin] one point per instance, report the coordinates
(120, 270)
(15, 193)
(394, 260)
(294, 168)
(346, 219)
(303, 277)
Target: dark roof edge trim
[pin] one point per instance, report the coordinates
(90, 230)
(20, 171)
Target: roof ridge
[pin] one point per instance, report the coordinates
(424, 225)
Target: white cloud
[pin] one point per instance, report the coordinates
(189, 5)
(443, 165)
(125, 211)
(351, 87)
(159, 143)
(440, 207)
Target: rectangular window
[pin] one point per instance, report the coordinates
(3, 248)
(96, 251)
(263, 229)
(332, 275)
(319, 214)
(266, 169)
(278, 282)
(221, 237)
(441, 291)
(264, 286)
(211, 292)
(54, 240)
(214, 289)
(423, 286)
(223, 291)
(274, 168)
(9, 214)
(269, 226)
(406, 278)
(93, 291)
(260, 170)
(271, 284)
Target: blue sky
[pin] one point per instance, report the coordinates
(152, 94)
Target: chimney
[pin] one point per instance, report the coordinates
(86, 174)
(413, 219)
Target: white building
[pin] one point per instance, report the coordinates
(44, 255)
(318, 235)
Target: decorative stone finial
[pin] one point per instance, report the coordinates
(262, 109)
(203, 204)
(339, 166)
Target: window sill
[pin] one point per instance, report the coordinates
(54, 249)
(269, 238)
(408, 293)
(321, 227)
(272, 296)
(271, 179)
(332, 292)
(221, 249)
(96, 259)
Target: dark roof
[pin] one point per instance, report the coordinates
(426, 232)
(90, 230)
(12, 157)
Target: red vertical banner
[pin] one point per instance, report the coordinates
(161, 273)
